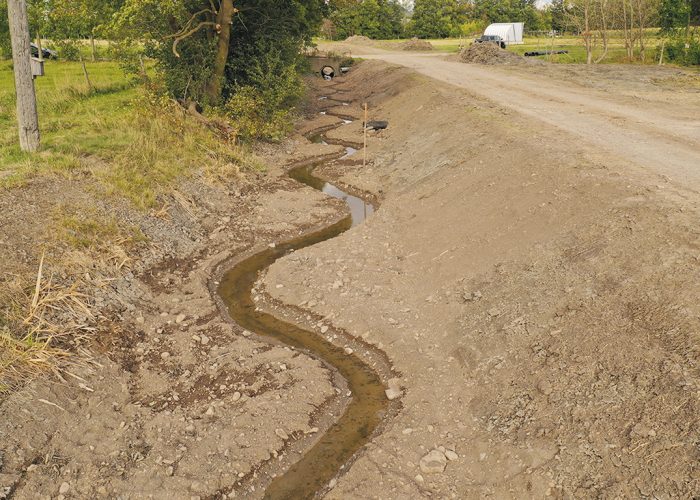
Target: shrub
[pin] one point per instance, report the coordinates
(676, 51)
(68, 50)
(262, 109)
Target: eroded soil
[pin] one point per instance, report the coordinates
(537, 296)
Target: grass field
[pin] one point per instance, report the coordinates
(111, 131)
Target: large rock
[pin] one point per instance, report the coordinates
(433, 463)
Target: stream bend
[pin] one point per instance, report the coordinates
(368, 405)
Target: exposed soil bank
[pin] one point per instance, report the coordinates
(538, 296)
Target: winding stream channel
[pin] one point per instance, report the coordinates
(364, 412)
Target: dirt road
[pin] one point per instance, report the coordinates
(648, 128)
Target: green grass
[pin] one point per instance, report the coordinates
(133, 144)
(75, 121)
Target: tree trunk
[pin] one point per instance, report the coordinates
(587, 36)
(642, 47)
(92, 46)
(27, 117)
(223, 19)
(603, 29)
(85, 73)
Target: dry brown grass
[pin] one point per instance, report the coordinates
(40, 327)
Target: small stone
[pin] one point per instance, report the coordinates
(272, 245)
(170, 470)
(209, 412)
(180, 318)
(544, 387)
(393, 393)
(324, 329)
(140, 320)
(419, 478)
(433, 463)
(281, 434)
(165, 355)
(236, 396)
(348, 351)
(32, 467)
(203, 339)
(451, 455)
(494, 312)
(64, 488)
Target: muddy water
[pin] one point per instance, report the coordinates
(364, 412)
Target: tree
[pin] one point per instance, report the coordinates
(205, 49)
(378, 19)
(560, 21)
(580, 14)
(674, 15)
(73, 20)
(504, 11)
(437, 18)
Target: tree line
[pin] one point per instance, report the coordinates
(635, 21)
(385, 19)
(594, 20)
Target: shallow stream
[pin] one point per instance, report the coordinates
(364, 412)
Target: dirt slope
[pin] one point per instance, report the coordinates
(538, 296)
(649, 115)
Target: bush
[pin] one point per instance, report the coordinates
(473, 27)
(676, 51)
(68, 50)
(262, 109)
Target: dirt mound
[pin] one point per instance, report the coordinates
(489, 53)
(359, 39)
(416, 44)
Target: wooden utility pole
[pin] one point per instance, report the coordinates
(27, 117)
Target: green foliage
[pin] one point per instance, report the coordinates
(5, 49)
(261, 108)
(148, 27)
(673, 15)
(473, 27)
(377, 19)
(437, 18)
(677, 51)
(504, 11)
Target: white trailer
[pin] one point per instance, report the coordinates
(510, 33)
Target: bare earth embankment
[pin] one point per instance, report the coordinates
(535, 289)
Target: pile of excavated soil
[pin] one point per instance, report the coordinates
(358, 39)
(416, 44)
(489, 53)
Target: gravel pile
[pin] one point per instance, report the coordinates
(358, 39)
